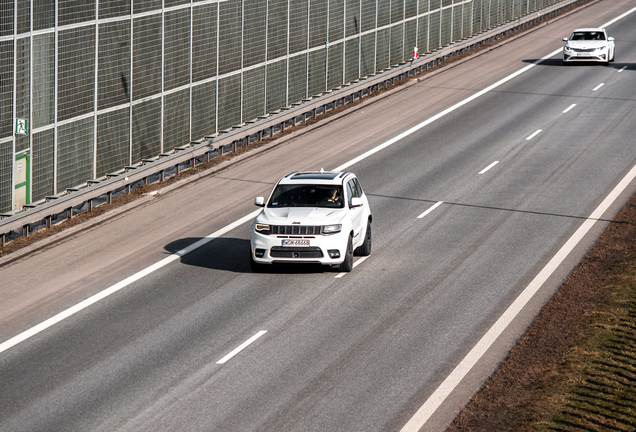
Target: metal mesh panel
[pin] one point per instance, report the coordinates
(467, 20)
(352, 26)
(367, 54)
(43, 14)
(74, 153)
(352, 59)
(422, 35)
(6, 89)
(479, 20)
(76, 72)
(276, 95)
(146, 130)
(230, 37)
(382, 49)
(297, 78)
(113, 141)
(254, 40)
(23, 89)
(457, 23)
(147, 56)
(75, 11)
(397, 11)
(176, 119)
(397, 44)
(433, 32)
(297, 26)
(449, 2)
(317, 71)
(334, 62)
(276, 29)
(410, 8)
(43, 165)
(493, 14)
(113, 84)
(6, 17)
(24, 16)
(230, 100)
(410, 28)
(6, 172)
(367, 15)
(447, 15)
(203, 110)
(318, 22)
(336, 20)
(114, 8)
(146, 5)
(176, 48)
(204, 42)
(170, 3)
(43, 80)
(253, 93)
(384, 12)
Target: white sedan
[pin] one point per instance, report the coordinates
(589, 45)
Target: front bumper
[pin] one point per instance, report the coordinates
(323, 249)
(595, 56)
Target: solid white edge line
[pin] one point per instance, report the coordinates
(488, 167)
(569, 108)
(534, 134)
(622, 69)
(598, 86)
(118, 286)
(462, 369)
(430, 209)
(241, 347)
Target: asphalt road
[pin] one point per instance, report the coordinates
(362, 351)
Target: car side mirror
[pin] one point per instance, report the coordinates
(611, 39)
(259, 201)
(357, 202)
(565, 39)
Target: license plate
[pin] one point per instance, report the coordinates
(295, 243)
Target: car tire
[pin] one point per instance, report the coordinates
(365, 248)
(347, 264)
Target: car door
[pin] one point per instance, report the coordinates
(357, 213)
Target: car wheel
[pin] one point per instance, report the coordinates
(365, 248)
(347, 264)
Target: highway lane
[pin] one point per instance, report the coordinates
(362, 352)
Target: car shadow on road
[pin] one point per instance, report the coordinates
(559, 62)
(232, 254)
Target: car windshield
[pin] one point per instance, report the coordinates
(307, 196)
(587, 36)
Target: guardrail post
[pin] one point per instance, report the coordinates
(89, 206)
(260, 135)
(48, 221)
(3, 240)
(176, 169)
(109, 197)
(128, 189)
(162, 174)
(144, 181)
(69, 213)
(282, 126)
(234, 146)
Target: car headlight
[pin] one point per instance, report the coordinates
(331, 229)
(601, 48)
(262, 228)
(567, 48)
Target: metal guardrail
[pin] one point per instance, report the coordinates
(230, 139)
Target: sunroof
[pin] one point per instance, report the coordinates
(315, 176)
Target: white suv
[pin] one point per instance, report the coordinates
(312, 217)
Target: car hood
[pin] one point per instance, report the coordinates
(300, 216)
(587, 44)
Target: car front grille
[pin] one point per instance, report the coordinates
(296, 229)
(583, 50)
(295, 252)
